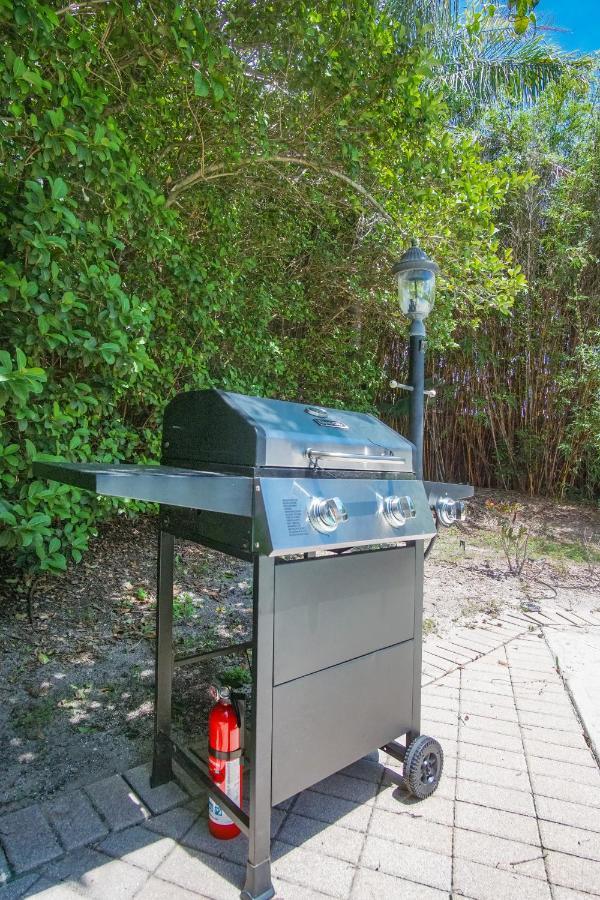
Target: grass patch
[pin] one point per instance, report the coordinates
(183, 607)
(31, 721)
(429, 627)
(538, 547)
(235, 677)
(574, 551)
(473, 608)
(209, 639)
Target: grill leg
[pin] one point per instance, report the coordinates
(415, 725)
(258, 885)
(162, 770)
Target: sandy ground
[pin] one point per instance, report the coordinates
(76, 685)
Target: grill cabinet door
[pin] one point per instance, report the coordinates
(333, 609)
(343, 662)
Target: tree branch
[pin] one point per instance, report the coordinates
(209, 173)
(84, 6)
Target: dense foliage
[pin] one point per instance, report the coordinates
(522, 408)
(199, 194)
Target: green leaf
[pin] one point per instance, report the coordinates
(37, 520)
(521, 24)
(59, 189)
(58, 562)
(19, 67)
(218, 90)
(57, 117)
(201, 87)
(33, 78)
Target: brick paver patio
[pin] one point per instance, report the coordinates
(517, 814)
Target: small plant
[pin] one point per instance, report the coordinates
(591, 555)
(183, 607)
(31, 721)
(141, 594)
(491, 608)
(429, 627)
(235, 678)
(470, 609)
(514, 538)
(209, 639)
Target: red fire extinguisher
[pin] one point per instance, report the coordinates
(224, 761)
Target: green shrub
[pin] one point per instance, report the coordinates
(118, 287)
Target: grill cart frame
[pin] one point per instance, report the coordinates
(396, 668)
(336, 638)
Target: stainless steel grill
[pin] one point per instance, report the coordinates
(326, 505)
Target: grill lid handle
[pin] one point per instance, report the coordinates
(315, 455)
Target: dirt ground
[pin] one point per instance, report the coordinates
(76, 685)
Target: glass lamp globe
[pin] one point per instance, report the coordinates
(415, 273)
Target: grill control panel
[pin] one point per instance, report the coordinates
(296, 515)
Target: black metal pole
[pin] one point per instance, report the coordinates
(161, 766)
(416, 379)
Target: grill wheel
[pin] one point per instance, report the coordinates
(423, 766)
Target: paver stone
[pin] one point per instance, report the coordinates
(28, 839)
(138, 846)
(487, 883)
(117, 802)
(97, 876)
(158, 799)
(75, 820)
(200, 872)
(371, 885)
(421, 866)
(312, 870)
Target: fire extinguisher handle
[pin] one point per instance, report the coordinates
(236, 709)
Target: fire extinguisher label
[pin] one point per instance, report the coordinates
(232, 789)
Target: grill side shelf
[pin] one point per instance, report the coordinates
(227, 494)
(437, 489)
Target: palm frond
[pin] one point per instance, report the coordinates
(487, 78)
(438, 15)
(481, 61)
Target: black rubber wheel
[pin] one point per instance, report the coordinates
(423, 766)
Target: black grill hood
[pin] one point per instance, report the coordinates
(215, 427)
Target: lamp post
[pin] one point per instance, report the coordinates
(415, 273)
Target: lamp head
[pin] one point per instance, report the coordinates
(415, 273)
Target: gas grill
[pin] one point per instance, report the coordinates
(325, 504)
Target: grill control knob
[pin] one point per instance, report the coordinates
(326, 515)
(396, 510)
(450, 511)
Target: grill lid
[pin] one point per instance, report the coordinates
(223, 428)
